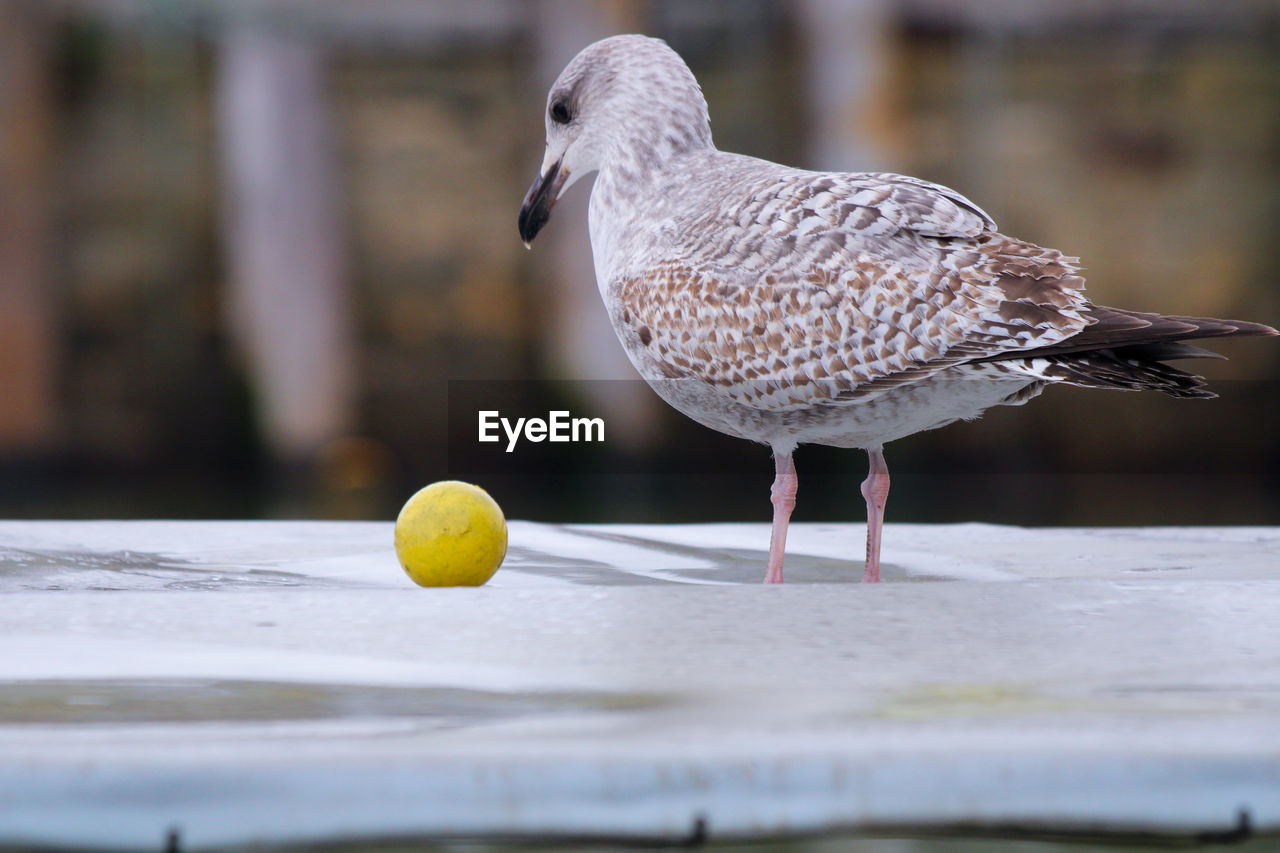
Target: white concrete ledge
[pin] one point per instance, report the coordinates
(284, 683)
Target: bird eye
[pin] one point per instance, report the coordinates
(560, 112)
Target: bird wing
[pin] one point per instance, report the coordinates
(826, 288)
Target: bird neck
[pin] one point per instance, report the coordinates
(648, 151)
(641, 153)
(630, 206)
(637, 168)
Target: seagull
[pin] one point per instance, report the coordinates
(846, 309)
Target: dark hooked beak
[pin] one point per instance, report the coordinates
(536, 209)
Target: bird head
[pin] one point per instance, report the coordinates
(620, 100)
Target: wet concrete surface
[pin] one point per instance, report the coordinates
(284, 683)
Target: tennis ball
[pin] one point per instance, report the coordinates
(451, 534)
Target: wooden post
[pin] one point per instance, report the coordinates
(28, 360)
(287, 301)
(846, 52)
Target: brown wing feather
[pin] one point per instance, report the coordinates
(793, 338)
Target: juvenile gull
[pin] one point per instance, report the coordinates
(847, 309)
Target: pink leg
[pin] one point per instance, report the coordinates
(783, 495)
(876, 490)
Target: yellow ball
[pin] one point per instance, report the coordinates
(451, 534)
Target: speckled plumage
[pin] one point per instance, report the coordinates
(787, 306)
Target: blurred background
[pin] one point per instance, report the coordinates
(258, 258)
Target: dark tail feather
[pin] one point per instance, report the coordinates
(1115, 328)
(1119, 369)
(1127, 350)
(1166, 351)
